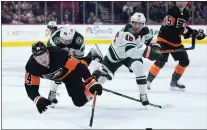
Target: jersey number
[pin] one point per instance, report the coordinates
(168, 21)
(29, 79)
(128, 38)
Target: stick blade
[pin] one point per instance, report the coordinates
(166, 106)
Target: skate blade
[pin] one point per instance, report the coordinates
(177, 89)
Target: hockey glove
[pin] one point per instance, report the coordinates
(42, 104)
(93, 86)
(152, 51)
(199, 35)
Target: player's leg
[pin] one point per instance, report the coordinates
(155, 69)
(53, 92)
(158, 64)
(183, 59)
(82, 92)
(106, 70)
(137, 67)
(94, 54)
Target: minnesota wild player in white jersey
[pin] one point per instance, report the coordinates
(130, 44)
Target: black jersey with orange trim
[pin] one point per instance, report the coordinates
(61, 65)
(173, 26)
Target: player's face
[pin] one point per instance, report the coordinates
(43, 59)
(181, 4)
(137, 27)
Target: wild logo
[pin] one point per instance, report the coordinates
(53, 75)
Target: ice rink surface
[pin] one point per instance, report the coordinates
(189, 108)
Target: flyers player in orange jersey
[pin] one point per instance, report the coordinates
(68, 38)
(45, 62)
(169, 37)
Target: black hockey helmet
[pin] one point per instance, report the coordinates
(39, 48)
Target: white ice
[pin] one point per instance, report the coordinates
(189, 108)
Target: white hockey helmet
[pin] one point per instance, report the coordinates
(66, 34)
(138, 21)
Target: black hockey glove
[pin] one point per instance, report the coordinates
(96, 87)
(199, 35)
(42, 104)
(152, 51)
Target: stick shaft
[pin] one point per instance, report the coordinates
(125, 96)
(93, 110)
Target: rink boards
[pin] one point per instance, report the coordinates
(25, 35)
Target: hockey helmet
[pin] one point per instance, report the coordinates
(39, 48)
(138, 21)
(66, 34)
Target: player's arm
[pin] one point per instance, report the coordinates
(131, 48)
(147, 36)
(54, 40)
(52, 26)
(152, 52)
(79, 45)
(32, 83)
(188, 32)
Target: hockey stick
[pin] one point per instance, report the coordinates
(125, 96)
(182, 49)
(93, 109)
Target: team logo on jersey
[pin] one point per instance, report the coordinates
(53, 75)
(57, 40)
(180, 23)
(79, 40)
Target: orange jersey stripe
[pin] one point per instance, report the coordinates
(70, 65)
(84, 62)
(31, 79)
(159, 39)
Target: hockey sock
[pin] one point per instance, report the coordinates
(179, 70)
(154, 70)
(142, 82)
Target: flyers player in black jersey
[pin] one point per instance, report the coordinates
(169, 37)
(71, 40)
(45, 62)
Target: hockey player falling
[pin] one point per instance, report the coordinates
(130, 44)
(169, 37)
(45, 62)
(69, 39)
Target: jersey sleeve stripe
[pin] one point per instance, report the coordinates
(130, 44)
(128, 48)
(33, 80)
(113, 54)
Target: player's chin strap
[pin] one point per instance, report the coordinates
(182, 49)
(137, 100)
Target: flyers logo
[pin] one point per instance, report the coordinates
(180, 23)
(53, 75)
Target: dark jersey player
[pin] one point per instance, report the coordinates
(71, 40)
(169, 37)
(45, 62)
